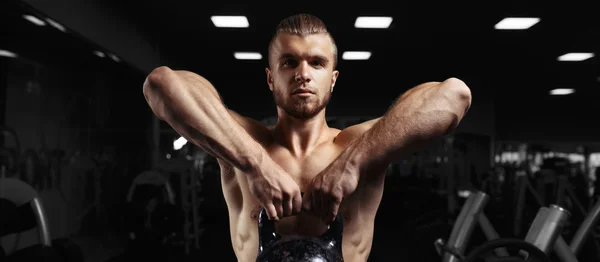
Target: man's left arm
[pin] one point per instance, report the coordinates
(421, 115)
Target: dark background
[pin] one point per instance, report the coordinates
(59, 96)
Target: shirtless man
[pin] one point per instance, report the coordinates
(270, 166)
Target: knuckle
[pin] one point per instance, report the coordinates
(320, 189)
(337, 196)
(277, 196)
(290, 193)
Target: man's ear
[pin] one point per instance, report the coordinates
(269, 78)
(334, 77)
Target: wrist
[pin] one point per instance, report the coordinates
(365, 158)
(356, 158)
(254, 160)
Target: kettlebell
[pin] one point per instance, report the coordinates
(274, 248)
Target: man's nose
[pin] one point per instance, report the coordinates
(303, 73)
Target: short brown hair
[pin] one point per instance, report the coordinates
(303, 25)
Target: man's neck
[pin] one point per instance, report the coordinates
(300, 136)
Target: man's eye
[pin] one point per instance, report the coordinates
(289, 63)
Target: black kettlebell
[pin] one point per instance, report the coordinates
(274, 248)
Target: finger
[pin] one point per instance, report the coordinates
(297, 203)
(333, 211)
(307, 202)
(278, 208)
(287, 206)
(271, 212)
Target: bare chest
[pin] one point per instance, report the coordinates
(304, 169)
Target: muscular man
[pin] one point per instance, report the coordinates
(339, 171)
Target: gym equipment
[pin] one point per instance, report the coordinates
(8, 132)
(9, 212)
(191, 198)
(25, 217)
(547, 227)
(550, 221)
(162, 218)
(273, 247)
(470, 214)
(562, 191)
(21, 210)
(9, 156)
(537, 246)
(524, 250)
(155, 220)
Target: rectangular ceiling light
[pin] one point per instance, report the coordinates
(56, 25)
(99, 54)
(230, 21)
(356, 55)
(7, 53)
(373, 22)
(247, 55)
(575, 56)
(562, 91)
(114, 58)
(517, 23)
(34, 20)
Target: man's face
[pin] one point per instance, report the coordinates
(301, 76)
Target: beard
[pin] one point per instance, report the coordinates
(301, 108)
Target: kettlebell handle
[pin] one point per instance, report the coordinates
(267, 234)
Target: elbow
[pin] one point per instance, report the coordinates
(157, 77)
(156, 80)
(460, 94)
(151, 89)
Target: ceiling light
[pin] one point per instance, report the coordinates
(373, 22)
(99, 54)
(56, 25)
(7, 53)
(516, 23)
(34, 20)
(575, 56)
(247, 55)
(230, 21)
(179, 143)
(356, 55)
(114, 58)
(562, 91)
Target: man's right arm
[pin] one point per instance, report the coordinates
(191, 105)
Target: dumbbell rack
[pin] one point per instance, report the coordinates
(191, 200)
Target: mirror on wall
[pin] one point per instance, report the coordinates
(75, 125)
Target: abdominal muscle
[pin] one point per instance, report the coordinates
(243, 221)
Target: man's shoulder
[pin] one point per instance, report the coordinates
(352, 132)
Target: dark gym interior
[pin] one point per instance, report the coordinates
(89, 173)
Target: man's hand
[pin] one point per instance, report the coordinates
(328, 189)
(276, 191)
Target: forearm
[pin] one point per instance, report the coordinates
(419, 116)
(192, 106)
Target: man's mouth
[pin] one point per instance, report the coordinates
(302, 91)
